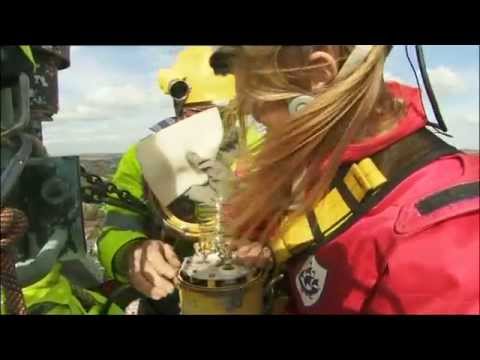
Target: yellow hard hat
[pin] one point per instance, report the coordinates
(193, 68)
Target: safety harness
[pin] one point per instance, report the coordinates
(359, 187)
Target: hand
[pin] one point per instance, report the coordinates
(214, 169)
(203, 194)
(254, 254)
(219, 177)
(153, 268)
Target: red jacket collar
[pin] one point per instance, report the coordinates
(414, 120)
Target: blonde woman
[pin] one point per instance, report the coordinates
(364, 209)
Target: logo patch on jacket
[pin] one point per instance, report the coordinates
(310, 281)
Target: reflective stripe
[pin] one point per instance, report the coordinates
(124, 221)
(162, 124)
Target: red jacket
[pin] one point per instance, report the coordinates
(395, 260)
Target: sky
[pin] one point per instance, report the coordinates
(109, 96)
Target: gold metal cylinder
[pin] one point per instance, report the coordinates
(241, 299)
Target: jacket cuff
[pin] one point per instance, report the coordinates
(110, 244)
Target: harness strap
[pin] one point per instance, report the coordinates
(356, 189)
(367, 183)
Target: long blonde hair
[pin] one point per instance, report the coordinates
(315, 138)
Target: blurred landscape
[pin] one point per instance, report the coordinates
(100, 164)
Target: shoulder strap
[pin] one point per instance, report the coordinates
(395, 163)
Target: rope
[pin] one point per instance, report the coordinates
(13, 226)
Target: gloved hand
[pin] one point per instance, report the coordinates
(214, 169)
(203, 194)
(219, 177)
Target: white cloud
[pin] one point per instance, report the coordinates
(112, 103)
(446, 81)
(163, 55)
(117, 102)
(80, 112)
(462, 122)
(97, 91)
(98, 137)
(461, 117)
(391, 77)
(472, 118)
(465, 134)
(104, 107)
(121, 96)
